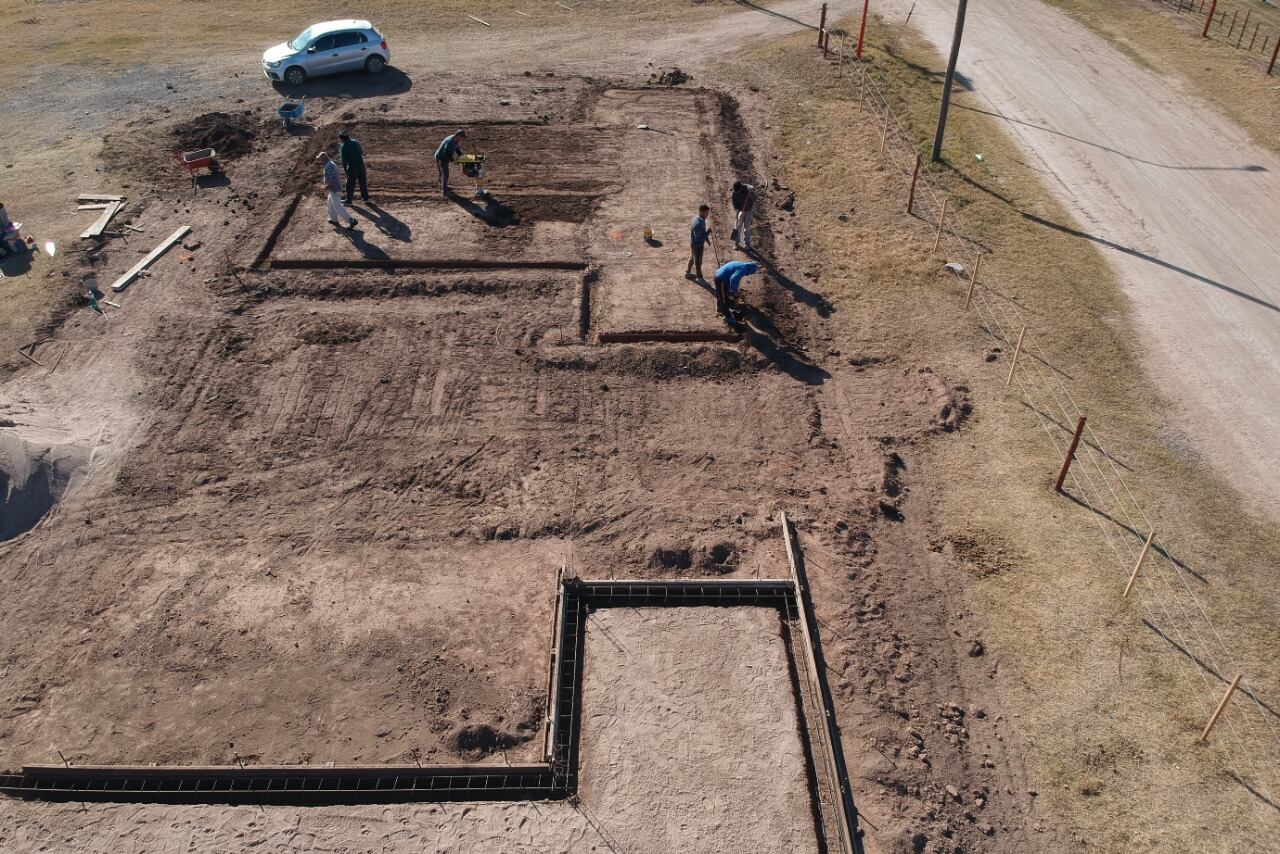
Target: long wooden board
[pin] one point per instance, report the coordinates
(125, 280)
(98, 197)
(100, 226)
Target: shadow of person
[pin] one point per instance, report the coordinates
(799, 292)
(385, 222)
(219, 179)
(491, 212)
(16, 264)
(353, 84)
(759, 332)
(364, 247)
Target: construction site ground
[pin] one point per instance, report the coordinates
(678, 750)
(304, 495)
(316, 515)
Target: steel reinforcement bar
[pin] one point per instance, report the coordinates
(420, 264)
(555, 779)
(282, 784)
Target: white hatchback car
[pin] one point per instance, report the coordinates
(328, 48)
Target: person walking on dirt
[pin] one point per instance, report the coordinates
(744, 205)
(333, 186)
(352, 157)
(728, 280)
(698, 237)
(448, 151)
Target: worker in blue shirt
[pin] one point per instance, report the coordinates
(728, 280)
(698, 237)
(448, 151)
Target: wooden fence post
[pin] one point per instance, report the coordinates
(1071, 453)
(1217, 713)
(822, 23)
(1213, 7)
(1271, 66)
(915, 176)
(942, 217)
(973, 280)
(1146, 547)
(1017, 351)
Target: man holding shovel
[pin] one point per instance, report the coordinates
(698, 237)
(333, 186)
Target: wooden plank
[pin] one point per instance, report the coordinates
(850, 843)
(100, 226)
(27, 355)
(96, 206)
(124, 281)
(97, 197)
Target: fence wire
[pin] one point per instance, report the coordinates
(1248, 733)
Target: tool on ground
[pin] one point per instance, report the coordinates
(194, 161)
(473, 168)
(291, 111)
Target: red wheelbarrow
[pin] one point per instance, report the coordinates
(194, 161)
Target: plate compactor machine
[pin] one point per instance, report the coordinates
(473, 168)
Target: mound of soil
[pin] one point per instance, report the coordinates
(478, 740)
(230, 135)
(672, 76)
(715, 558)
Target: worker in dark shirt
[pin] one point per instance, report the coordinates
(352, 157)
(448, 151)
(698, 237)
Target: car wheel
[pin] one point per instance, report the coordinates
(295, 76)
(375, 64)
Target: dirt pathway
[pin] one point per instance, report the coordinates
(1179, 199)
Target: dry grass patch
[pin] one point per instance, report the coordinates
(1110, 710)
(120, 33)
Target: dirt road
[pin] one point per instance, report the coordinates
(1178, 198)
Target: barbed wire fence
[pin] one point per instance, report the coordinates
(1254, 28)
(1247, 729)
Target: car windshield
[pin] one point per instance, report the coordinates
(303, 39)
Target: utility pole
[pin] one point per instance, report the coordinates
(862, 28)
(946, 86)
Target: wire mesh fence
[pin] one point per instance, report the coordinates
(1248, 733)
(1252, 27)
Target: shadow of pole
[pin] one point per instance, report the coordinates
(1243, 689)
(1110, 150)
(1111, 244)
(1140, 536)
(1251, 790)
